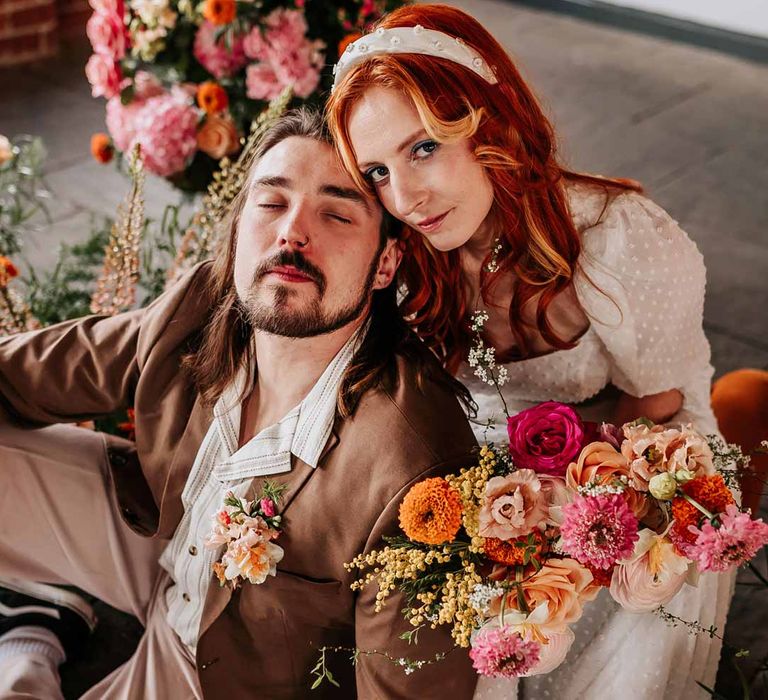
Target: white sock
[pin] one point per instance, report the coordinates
(31, 639)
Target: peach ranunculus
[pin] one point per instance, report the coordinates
(601, 463)
(655, 450)
(513, 505)
(563, 584)
(652, 576)
(218, 137)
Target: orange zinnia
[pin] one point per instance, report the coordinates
(431, 512)
(511, 552)
(7, 271)
(212, 97)
(219, 11)
(709, 492)
(101, 147)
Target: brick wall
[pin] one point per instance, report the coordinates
(31, 29)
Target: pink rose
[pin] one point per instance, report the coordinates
(104, 75)
(107, 35)
(513, 505)
(545, 438)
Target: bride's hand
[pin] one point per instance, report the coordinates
(659, 408)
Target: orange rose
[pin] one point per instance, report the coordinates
(219, 11)
(211, 97)
(218, 137)
(601, 463)
(101, 148)
(564, 584)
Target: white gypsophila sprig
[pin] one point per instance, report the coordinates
(482, 359)
(482, 595)
(594, 488)
(728, 459)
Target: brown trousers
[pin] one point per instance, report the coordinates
(59, 523)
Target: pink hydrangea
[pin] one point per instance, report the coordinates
(106, 33)
(599, 530)
(121, 122)
(284, 57)
(733, 543)
(166, 128)
(216, 57)
(104, 75)
(500, 652)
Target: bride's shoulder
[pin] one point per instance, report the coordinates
(625, 225)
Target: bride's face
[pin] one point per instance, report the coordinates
(438, 189)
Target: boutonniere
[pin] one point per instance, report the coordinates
(247, 529)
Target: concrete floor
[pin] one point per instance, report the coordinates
(691, 124)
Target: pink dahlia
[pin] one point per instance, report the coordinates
(500, 652)
(215, 56)
(733, 543)
(166, 128)
(599, 530)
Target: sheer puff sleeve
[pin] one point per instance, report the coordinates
(642, 284)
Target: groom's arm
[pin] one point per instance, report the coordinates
(84, 368)
(379, 678)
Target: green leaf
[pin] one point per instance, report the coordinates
(317, 683)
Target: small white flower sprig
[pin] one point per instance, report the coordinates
(482, 359)
(246, 529)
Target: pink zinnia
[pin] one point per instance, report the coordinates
(734, 543)
(500, 652)
(599, 530)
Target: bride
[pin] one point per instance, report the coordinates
(593, 294)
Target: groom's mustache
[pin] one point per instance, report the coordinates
(291, 258)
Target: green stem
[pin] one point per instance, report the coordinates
(698, 506)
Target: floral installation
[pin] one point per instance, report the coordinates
(246, 530)
(510, 552)
(185, 78)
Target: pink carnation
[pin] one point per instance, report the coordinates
(107, 35)
(545, 438)
(733, 543)
(216, 57)
(599, 530)
(500, 652)
(104, 75)
(166, 128)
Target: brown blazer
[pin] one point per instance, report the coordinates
(261, 641)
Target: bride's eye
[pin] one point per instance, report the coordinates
(376, 174)
(424, 149)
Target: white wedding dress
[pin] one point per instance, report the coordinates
(642, 285)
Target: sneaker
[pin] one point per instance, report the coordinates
(65, 613)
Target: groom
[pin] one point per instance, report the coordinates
(284, 359)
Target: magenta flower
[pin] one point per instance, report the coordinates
(734, 543)
(268, 507)
(545, 438)
(500, 652)
(599, 530)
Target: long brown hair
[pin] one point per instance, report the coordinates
(514, 141)
(225, 344)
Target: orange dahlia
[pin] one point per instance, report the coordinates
(512, 552)
(211, 97)
(101, 147)
(708, 491)
(7, 271)
(219, 11)
(431, 512)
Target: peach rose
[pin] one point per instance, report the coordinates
(651, 577)
(513, 505)
(651, 451)
(218, 137)
(564, 585)
(602, 463)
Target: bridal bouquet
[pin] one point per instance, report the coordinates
(185, 78)
(510, 551)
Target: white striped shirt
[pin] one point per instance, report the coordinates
(220, 467)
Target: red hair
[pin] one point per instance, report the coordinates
(515, 142)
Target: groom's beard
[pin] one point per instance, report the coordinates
(280, 319)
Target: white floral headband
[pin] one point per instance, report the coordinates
(411, 40)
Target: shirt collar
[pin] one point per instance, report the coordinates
(303, 431)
